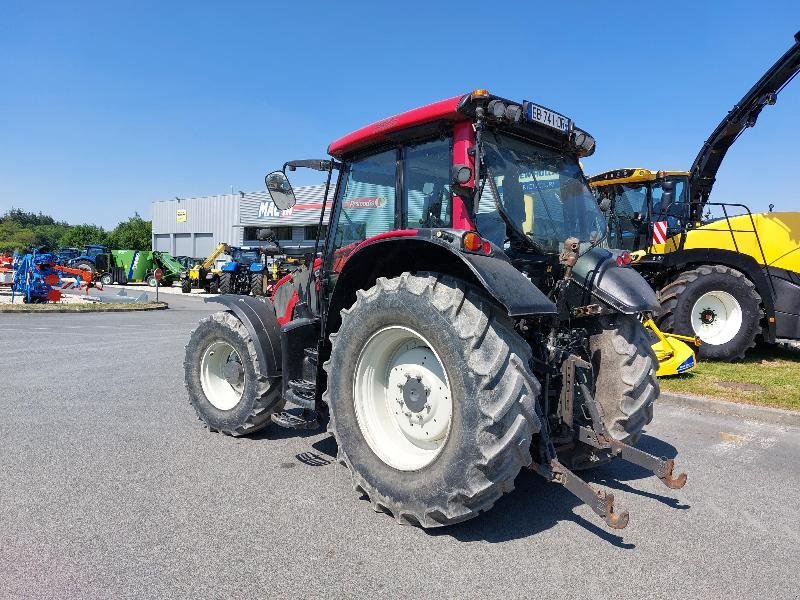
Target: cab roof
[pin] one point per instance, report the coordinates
(375, 133)
(632, 175)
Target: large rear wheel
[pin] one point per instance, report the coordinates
(716, 303)
(226, 386)
(431, 397)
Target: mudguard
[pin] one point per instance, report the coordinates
(257, 267)
(416, 251)
(229, 267)
(622, 288)
(259, 318)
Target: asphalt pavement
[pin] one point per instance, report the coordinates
(110, 488)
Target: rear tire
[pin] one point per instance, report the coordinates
(257, 284)
(492, 398)
(151, 280)
(722, 308)
(186, 286)
(225, 283)
(213, 286)
(106, 279)
(84, 265)
(221, 343)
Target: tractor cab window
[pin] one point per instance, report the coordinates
(674, 212)
(628, 213)
(426, 178)
(367, 203)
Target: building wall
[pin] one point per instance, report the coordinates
(225, 218)
(208, 221)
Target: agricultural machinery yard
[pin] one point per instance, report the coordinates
(116, 490)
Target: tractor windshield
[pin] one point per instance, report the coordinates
(542, 194)
(246, 257)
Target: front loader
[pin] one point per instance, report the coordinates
(459, 322)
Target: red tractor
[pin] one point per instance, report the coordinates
(459, 321)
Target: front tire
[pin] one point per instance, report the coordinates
(442, 332)
(717, 304)
(625, 386)
(186, 286)
(226, 386)
(106, 279)
(257, 284)
(224, 283)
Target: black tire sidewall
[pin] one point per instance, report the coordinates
(227, 420)
(446, 472)
(738, 288)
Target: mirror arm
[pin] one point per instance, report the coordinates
(315, 164)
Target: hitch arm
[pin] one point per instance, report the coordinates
(600, 501)
(599, 437)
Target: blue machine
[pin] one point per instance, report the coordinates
(245, 272)
(35, 278)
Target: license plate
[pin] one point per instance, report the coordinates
(545, 116)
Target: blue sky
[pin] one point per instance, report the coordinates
(107, 106)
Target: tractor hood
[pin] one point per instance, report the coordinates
(622, 288)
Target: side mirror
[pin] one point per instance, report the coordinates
(280, 190)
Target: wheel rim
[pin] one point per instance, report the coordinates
(716, 317)
(402, 397)
(222, 375)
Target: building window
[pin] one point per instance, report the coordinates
(310, 232)
(281, 233)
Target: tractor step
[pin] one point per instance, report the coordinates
(295, 418)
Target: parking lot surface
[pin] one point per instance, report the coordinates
(110, 488)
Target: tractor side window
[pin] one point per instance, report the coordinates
(426, 178)
(630, 211)
(367, 205)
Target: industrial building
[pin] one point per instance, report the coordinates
(194, 226)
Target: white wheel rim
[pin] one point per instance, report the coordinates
(716, 317)
(402, 397)
(222, 375)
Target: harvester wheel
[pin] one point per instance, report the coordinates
(716, 303)
(151, 280)
(625, 383)
(432, 399)
(226, 386)
(186, 286)
(225, 283)
(257, 284)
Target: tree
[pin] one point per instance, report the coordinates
(133, 234)
(78, 236)
(14, 237)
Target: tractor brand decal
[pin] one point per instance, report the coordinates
(377, 202)
(660, 232)
(134, 262)
(181, 216)
(685, 365)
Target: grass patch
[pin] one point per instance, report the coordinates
(81, 307)
(769, 376)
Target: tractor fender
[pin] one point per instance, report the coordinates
(622, 288)
(257, 267)
(230, 267)
(259, 318)
(392, 256)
